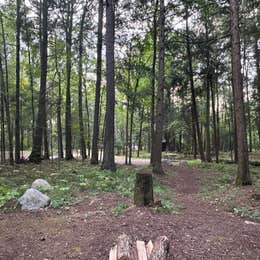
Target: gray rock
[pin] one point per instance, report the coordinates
(34, 199)
(41, 185)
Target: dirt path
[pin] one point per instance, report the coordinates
(88, 230)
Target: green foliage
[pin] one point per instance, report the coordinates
(220, 189)
(247, 212)
(119, 208)
(166, 207)
(71, 181)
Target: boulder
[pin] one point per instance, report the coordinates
(33, 199)
(41, 185)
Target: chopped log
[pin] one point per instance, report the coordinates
(113, 253)
(141, 250)
(123, 247)
(161, 249)
(143, 189)
(149, 248)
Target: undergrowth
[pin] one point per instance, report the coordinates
(218, 187)
(70, 181)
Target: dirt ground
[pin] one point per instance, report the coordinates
(88, 230)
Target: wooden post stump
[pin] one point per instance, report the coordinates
(143, 189)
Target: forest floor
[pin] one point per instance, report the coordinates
(203, 222)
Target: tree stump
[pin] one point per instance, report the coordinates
(143, 195)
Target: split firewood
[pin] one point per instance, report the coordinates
(113, 253)
(161, 249)
(149, 248)
(141, 250)
(124, 247)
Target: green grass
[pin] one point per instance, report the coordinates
(228, 172)
(70, 181)
(120, 208)
(218, 186)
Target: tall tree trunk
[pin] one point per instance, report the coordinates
(245, 82)
(218, 123)
(6, 94)
(216, 145)
(257, 63)
(88, 118)
(243, 174)
(140, 132)
(109, 136)
(208, 82)
(68, 30)
(157, 158)
(2, 116)
(35, 155)
(132, 119)
(195, 116)
(207, 124)
(46, 155)
(17, 91)
(248, 114)
(81, 126)
(95, 138)
(30, 61)
(153, 80)
(59, 125)
(127, 108)
(194, 137)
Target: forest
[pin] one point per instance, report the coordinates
(133, 117)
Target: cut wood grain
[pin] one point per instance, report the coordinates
(113, 253)
(161, 249)
(149, 248)
(126, 250)
(141, 250)
(124, 247)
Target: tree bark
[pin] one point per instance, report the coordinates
(157, 158)
(140, 132)
(68, 31)
(132, 119)
(208, 82)
(127, 108)
(2, 117)
(153, 80)
(17, 88)
(257, 63)
(35, 155)
(109, 138)
(195, 116)
(95, 138)
(80, 111)
(143, 195)
(216, 144)
(6, 95)
(59, 125)
(243, 174)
